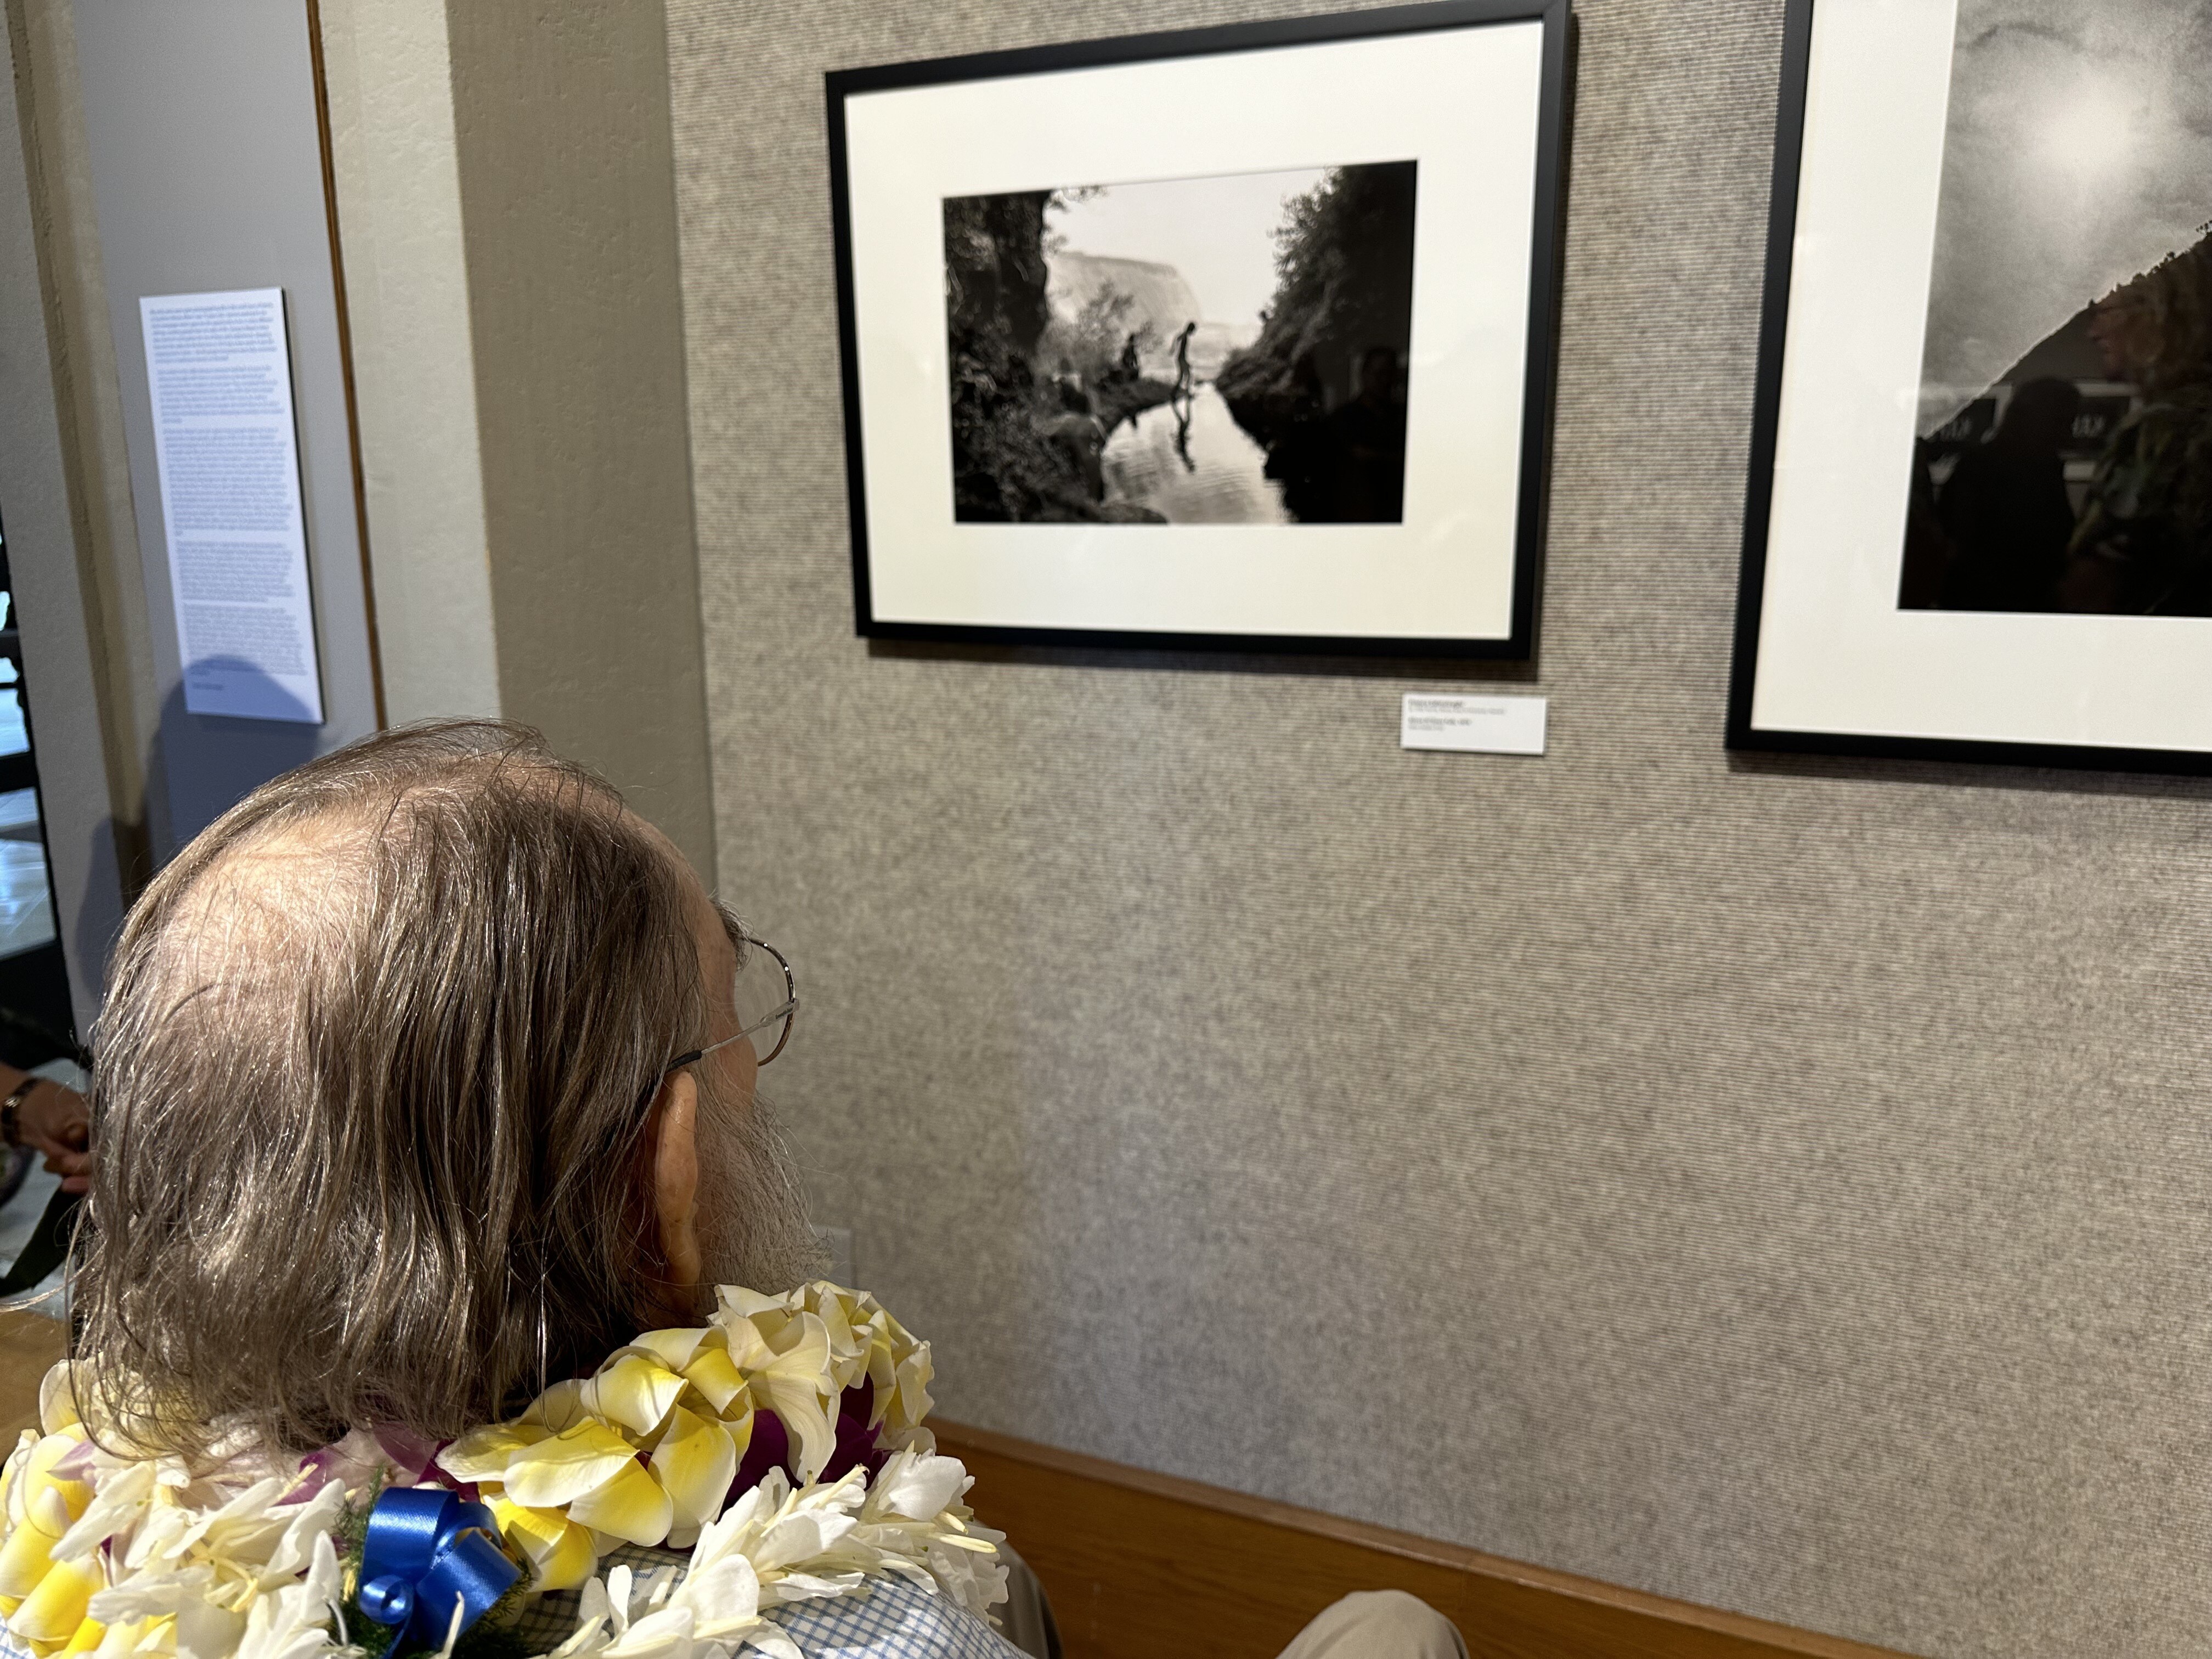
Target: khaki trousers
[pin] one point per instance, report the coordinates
(1366, 1624)
(1378, 1625)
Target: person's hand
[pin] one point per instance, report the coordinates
(58, 1123)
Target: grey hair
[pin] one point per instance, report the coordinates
(369, 1097)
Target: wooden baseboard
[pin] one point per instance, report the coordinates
(29, 1344)
(1148, 1566)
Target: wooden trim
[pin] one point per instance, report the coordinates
(345, 350)
(29, 1343)
(1141, 1566)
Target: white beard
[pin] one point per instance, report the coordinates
(752, 1222)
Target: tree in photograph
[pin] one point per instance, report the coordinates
(1098, 344)
(2144, 544)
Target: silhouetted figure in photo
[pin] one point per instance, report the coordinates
(1182, 386)
(1131, 366)
(2005, 506)
(1182, 409)
(2144, 545)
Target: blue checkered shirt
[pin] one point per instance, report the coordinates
(894, 1619)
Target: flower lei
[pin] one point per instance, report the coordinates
(687, 1438)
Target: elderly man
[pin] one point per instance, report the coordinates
(426, 1130)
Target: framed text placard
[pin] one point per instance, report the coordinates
(1232, 339)
(1980, 510)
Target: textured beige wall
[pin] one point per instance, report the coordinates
(1780, 1185)
(562, 144)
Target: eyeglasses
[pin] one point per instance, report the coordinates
(765, 997)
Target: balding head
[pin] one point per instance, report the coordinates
(373, 1096)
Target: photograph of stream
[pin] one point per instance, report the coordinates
(1229, 350)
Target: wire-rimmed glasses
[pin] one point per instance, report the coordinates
(766, 996)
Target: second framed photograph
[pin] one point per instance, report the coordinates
(1980, 505)
(1228, 339)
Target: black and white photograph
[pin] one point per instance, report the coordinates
(2064, 452)
(1220, 350)
(1978, 518)
(1238, 339)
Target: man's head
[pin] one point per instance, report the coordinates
(383, 1129)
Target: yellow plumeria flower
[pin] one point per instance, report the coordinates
(53, 1611)
(634, 1388)
(716, 1375)
(56, 1398)
(42, 1508)
(482, 1454)
(558, 1550)
(789, 1373)
(25, 1444)
(630, 1505)
(564, 1467)
(695, 1463)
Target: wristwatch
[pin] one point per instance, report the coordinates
(12, 1108)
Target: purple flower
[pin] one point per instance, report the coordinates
(770, 1448)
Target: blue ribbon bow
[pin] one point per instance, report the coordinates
(426, 1550)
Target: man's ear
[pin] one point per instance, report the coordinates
(676, 1182)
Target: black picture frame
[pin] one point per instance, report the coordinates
(1743, 731)
(1545, 232)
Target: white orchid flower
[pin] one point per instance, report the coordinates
(918, 1487)
(724, 1597)
(151, 1596)
(154, 1543)
(294, 1622)
(309, 1529)
(204, 1632)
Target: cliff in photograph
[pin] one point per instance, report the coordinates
(1345, 264)
(1157, 296)
(1322, 387)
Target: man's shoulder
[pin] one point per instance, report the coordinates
(894, 1619)
(889, 1619)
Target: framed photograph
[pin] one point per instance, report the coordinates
(1229, 339)
(1979, 520)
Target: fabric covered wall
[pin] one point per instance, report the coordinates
(1778, 1184)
